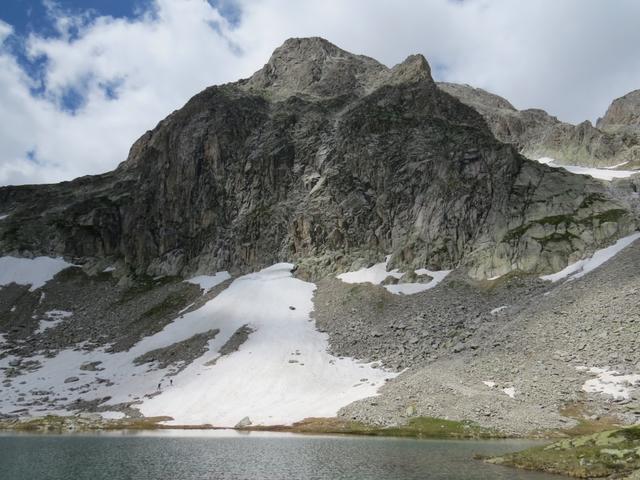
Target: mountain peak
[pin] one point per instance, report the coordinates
(317, 45)
(624, 112)
(315, 67)
(415, 68)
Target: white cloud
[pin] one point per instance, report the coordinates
(157, 63)
(571, 58)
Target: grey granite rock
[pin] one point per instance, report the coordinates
(537, 134)
(328, 159)
(623, 112)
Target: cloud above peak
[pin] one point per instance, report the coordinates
(104, 86)
(76, 100)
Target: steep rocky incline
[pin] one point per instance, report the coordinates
(465, 342)
(623, 114)
(537, 134)
(326, 158)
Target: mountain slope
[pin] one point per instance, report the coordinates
(214, 363)
(537, 134)
(338, 163)
(326, 158)
(623, 114)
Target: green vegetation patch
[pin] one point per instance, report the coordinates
(556, 237)
(48, 423)
(418, 427)
(90, 423)
(613, 215)
(516, 233)
(431, 427)
(592, 198)
(615, 452)
(556, 220)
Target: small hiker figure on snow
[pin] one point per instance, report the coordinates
(171, 382)
(159, 386)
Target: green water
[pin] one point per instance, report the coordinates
(256, 456)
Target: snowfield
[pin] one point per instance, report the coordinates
(209, 282)
(281, 374)
(599, 173)
(53, 318)
(377, 273)
(30, 271)
(582, 267)
(610, 382)
(510, 392)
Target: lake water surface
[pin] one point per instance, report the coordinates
(228, 455)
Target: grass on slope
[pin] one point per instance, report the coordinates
(59, 424)
(419, 427)
(598, 455)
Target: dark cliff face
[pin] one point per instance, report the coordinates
(322, 157)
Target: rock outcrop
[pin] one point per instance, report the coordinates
(329, 159)
(537, 134)
(622, 114)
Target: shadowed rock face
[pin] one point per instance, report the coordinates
(326, 158)
(537, 134)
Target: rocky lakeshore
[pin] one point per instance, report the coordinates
(335, 246)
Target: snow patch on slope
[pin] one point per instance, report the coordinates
(3, 216)
(30, 271)
(53, 318)
(281, 374)
(600, 173)
(510, 392)
(497, 310)
(610, 382)
(582, 267)
(209, 282)
(112, 415)
(377, 273)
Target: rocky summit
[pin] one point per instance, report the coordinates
(614, 141)
(623, 113)
(332, 238)
(328, 159)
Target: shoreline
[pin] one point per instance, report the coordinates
(569, 452)
(418, 427)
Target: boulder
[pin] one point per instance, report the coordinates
(245, 422)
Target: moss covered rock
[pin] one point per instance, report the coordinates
(615, 454)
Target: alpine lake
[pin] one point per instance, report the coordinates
(232, 455)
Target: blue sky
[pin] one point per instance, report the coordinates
(31, 15)
(38, 17)
(28, 16)
(80, 81)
